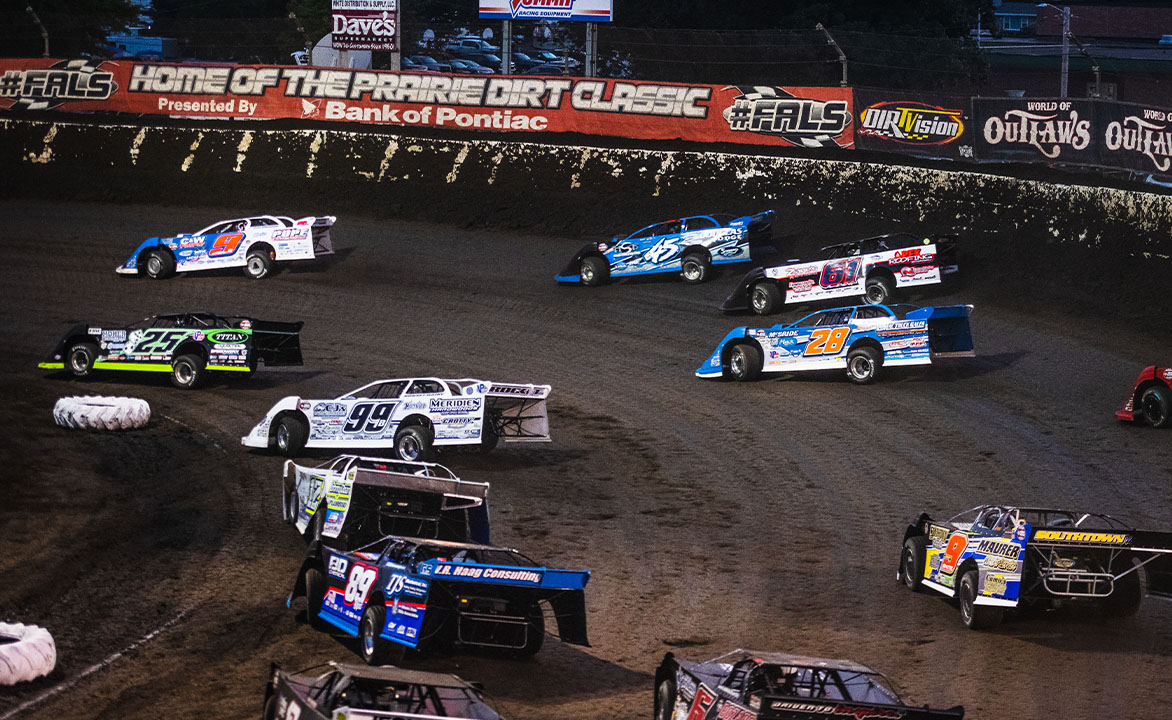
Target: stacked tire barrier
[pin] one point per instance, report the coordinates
(94, 412)
(576, 189)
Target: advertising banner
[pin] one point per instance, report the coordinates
(936, 126)
(585, 10)
(802, 117)
(1136, 137)
(364, 24)
(1049, 130)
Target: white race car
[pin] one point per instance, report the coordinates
(253, 243)
(410, 415)
(383, 497)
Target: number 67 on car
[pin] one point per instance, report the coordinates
(860, 339)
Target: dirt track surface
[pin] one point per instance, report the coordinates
(712, 515)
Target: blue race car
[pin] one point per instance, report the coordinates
(689, 246)
(398, 592)
(256, 244)
(861, 339)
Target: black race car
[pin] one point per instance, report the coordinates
(742, 684)
(995, 558)
(187, 345)
(336, 691)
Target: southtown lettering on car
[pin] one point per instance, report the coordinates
(256, 244)
(744, 684)
(402, 592)
(860, 339)
(411, 415)
(995, 558)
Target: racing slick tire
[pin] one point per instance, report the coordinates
(744, 362)
(1125, 598)
(593, 271)
(534, 633)
(270, 711)
(911, 563)
(292, 503)
(862, 364)
(94, 412)
(259, 263)
(975, 617)
(80, 358)
(665, 700)
(315, 595)
(187, 372)
(413, 443)
(695, 268)
(764, 298)
(377, 650)
(158, 264)
(26, 653)
(878, 290)
(290, 434)
(489, 438)
(1156, 406)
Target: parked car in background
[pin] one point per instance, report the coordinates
(524, 61)
(488, 60)
(468, 67)
(406, 64)
(554, 58)
(431, 63)
(465, 46)
(545, 69)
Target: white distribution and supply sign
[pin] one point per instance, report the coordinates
(365, 24)
(583, 10)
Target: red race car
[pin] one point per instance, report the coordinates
(1151, 399)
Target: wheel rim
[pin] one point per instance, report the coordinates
(908, 563)
(759, 299)
(282, 437)
(1151, 408)
(966, 602)
(367, 637)
(184, 373)
(409, 447)
(692, 270)
(875, 294)
(255, 265)
(154, 265)
(587, 272)
(78, 361)
(737, 363)
(861, 366)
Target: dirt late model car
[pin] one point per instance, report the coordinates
(411, 415)
(873, 268)
(861, 339)
(187, 345)
(741, 685)
(689, 246)
(1150, 399)
(375, 497)
(340, 691)
(398, 592)
(996, 557)
(256, 244)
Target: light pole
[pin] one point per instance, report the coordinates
(1065, 45)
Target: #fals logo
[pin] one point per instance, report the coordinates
(798, 121)
(1041, 127)
(912, 123)
(47, 88)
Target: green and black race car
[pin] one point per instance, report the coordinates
(187, 345)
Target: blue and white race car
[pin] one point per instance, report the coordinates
(254, 243)
(689, 246)
(861, 339)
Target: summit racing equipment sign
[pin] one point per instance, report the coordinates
(587, 10)
(364, 24)
(805, 117)
(931, 126)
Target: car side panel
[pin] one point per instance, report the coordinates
(999, 559)
(847, 277)
(370, 423)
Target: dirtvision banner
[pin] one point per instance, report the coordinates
(804, 117)
(934, 126)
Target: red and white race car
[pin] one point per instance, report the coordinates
(1151, 398)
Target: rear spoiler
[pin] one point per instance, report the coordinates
(320, 227)
(759, 234)
(949, 334)
(518, 412)
(1152, 549)
(458, 494)
(788, 707)
(277, 343)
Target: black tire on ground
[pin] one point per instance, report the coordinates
(292, 504)
(862, 364)
(1125, 599)
(413, 443)
(157, 264)
(315, 595)
(665, 699)
(534, 633)
(765, 297)
(878, 290)
(290, 434)
(911, 563)
(187, 371)
(1156, 405)
(80, 358)
(317, 526)
(375, 649)
(593, 271)
(745, 362)
(259, 263)
(975, 617)
(488, 436)
(270, 711)
(695, 267)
